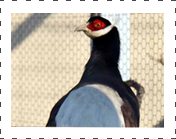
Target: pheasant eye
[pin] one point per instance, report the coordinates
(98, 25)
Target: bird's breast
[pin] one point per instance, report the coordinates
(93, 105)
(114, 98)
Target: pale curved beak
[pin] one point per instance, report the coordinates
(81, 28)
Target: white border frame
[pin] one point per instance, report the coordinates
(168, 8)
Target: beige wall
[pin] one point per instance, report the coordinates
(147, 46)
(45, 66)
(50, 61)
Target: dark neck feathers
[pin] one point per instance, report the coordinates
(105, 55)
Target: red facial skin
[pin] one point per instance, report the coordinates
(96, 25)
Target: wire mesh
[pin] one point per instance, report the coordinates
(50, 59)
(46, 65)
(147, 67)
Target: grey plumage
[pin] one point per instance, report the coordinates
(87, 107)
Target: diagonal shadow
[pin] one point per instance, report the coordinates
(26, 28)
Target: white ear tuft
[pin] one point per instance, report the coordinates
(116, 22)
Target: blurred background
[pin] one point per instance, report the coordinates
(48, 58)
